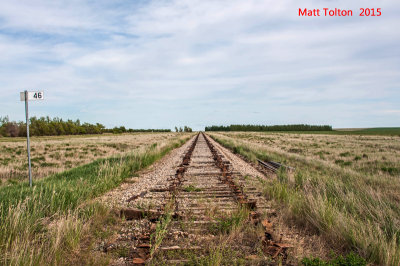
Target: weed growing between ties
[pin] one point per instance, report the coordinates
(161, 227)
(191, 188)
(40, 225)
(357, 210)
(227, 224)
(235, 241)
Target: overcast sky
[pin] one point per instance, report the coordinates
(157, 64)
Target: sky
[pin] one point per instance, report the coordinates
(161, 64)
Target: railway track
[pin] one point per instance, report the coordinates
(274, 166)
(203, 203)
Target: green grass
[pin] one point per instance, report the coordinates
(231, 232)
(227, 224)
(63, 137)
(354, 210)
(26, 214)
(191, 188)
(385, 131)
(218, 255)
(351, 259)
(161, 227)
(382, 131)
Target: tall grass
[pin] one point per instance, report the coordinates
(161, 227)
(39, 225)
(358, 211)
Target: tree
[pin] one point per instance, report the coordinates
(180, 129)
(176, 129)
(299, 127)
(44, 126)
(3, 122)
(187, 129)
(12, 129)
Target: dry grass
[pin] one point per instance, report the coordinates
(56, 154)
(46, 225)
(378, 155)
(355, 206)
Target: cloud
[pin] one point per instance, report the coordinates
(183, 58)
(396, 112)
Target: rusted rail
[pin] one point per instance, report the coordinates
(203, 182)
(177, 181)
(274, 166)
(142, 252)
(227, 177)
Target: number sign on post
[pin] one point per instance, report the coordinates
(32, 95)
(29, 96)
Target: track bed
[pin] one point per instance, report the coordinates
(205, 213)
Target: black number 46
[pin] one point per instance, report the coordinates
(37, 95)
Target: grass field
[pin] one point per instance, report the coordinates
(379, 131)
(45, 225)
(56, 154)
(374, 155)
(344, 186)
(393, 131)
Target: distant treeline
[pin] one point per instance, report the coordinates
(118, 130)
(45, 126)
(185, 129)
(300, 127)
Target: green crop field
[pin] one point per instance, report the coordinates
(382, 131)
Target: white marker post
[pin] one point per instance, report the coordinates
(26, 96)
